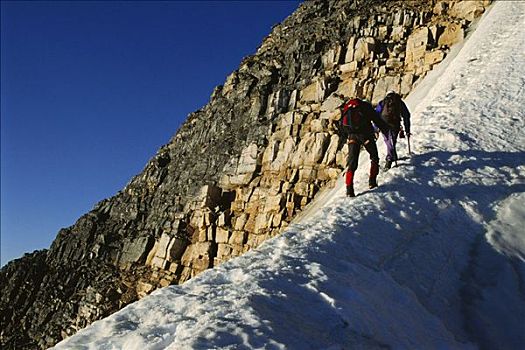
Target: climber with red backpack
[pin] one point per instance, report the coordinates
(392, 110)
(356, 128)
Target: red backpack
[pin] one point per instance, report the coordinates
(352, 118)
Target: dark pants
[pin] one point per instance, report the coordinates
(355, 141)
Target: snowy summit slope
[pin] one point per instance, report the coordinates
(433, 258)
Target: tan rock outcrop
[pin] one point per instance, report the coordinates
(469, 10)
(452, 34)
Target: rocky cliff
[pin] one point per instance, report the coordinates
(238, 170)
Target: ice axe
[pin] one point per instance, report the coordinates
(407, 135)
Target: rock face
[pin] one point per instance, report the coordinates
(237, 171)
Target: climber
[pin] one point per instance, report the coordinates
(356, 127)
(392, 109)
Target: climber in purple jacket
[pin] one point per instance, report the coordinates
(392, 110)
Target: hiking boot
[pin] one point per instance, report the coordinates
(388, 164)
(350, 191)
(372, 183)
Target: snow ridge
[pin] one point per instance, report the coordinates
(433, 258)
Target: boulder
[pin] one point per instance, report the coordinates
(222, 235)
(284, 152)
(224, 251)
(314, 92)
(240, 222)
(162, 249)
(469, 10)
(144, 288)
(331, 57)
(273, 203)
(244, 171)
(248, 161)
(159, 254)
(349, 67)
(416, 47)
(398, 33)
(285, 120)
(224, 219)
(452, 34)
(319, 125)
(307, 174)
(330, 109)
(394, 63)
(364, 49)
(440, 7)
(237, 238)
(281, 101)
(270, 153)
(302, 189)
(406, 84)
(349, 56)
(349, 87)
(135, 250)
(262, 222)
(434, 57)
(310, 150)
(197, 255)
(331, 151)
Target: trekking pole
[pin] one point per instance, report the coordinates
(408, 141)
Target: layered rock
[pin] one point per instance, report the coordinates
(238, 171)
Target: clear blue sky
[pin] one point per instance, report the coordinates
(91, 90)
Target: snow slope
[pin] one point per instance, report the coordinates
(433, 258)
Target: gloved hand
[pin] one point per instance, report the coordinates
(401, 134)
